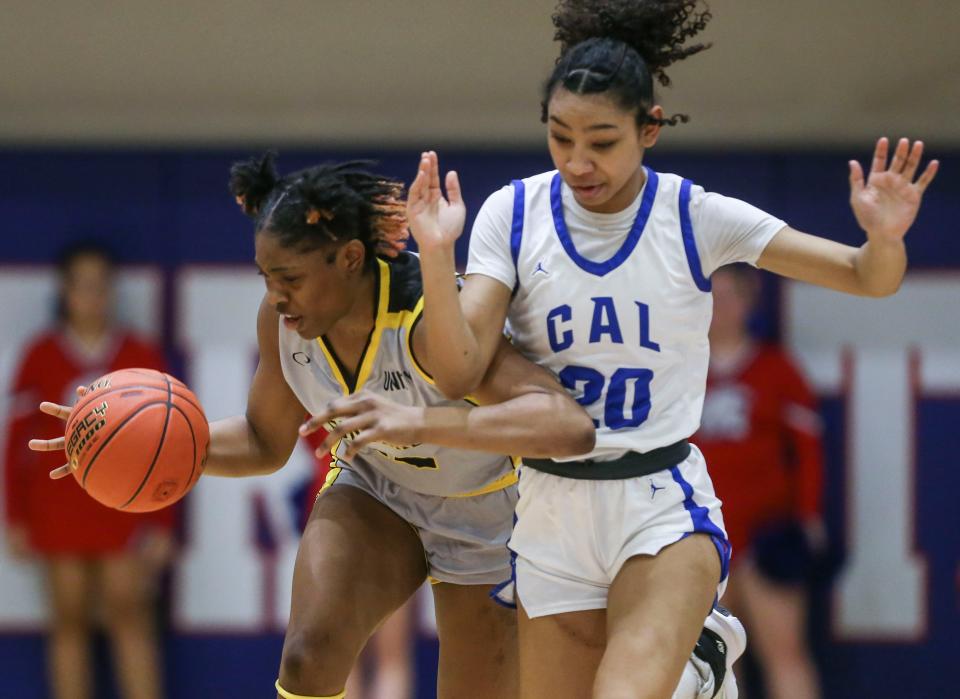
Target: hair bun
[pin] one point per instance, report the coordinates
(655, 29)
(252, 180)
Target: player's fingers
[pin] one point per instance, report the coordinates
(913, 160)
(342, 430)
(856, 177)
(82, 391)
(60, 472)
(454, 195)
(46, 444)
(416, 190)
(312, 425)
(928, 174)
(900, 155)
(434, 170)
(361, 439)
(880, 155)
(60, 411)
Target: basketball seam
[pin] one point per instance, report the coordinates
(100, 394)
(163, 435)
(116, 431)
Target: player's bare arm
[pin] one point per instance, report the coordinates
(885, 206)
(261, 441)
(465, 338)
(524, 411)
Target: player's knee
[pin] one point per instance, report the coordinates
(321, 651)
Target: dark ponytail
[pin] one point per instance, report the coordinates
(326, 204)
(618, 46)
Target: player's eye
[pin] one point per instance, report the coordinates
(562, 140)
(604, 145)
(291, 280)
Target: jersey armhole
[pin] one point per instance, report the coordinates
(689, 242)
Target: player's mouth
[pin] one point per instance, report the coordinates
(587, 192)
(292, 322)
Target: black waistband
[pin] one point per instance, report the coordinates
(630, 465)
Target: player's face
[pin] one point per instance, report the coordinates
(598, 149)
(312, 290)
(732, 303)
(88, 291)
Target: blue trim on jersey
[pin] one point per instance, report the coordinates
(701, 522)
(630, 242)
(508, 599)
(516, 228)
(689, 242)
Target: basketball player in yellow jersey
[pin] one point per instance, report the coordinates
(341, 322)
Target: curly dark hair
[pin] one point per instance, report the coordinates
(327, 204)
(618, 46)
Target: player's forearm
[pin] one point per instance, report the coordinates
(455, 361)
(536, 425)
(236, 450)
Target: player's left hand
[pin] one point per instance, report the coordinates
(367, 418)
(887, 203)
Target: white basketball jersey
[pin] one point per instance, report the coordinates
(627, 335)
(388, 367)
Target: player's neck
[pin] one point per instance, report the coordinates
(90, 335)
(349, 335)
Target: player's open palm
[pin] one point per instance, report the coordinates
(434, 220)
(887, 203)
(58, 443)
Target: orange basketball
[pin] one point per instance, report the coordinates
(137, 440)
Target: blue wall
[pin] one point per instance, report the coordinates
(172, 207)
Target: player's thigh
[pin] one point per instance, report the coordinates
(560, 653)
(478, 643)
(655, 612)
(777, 613)
(358, 561)
(70, 586)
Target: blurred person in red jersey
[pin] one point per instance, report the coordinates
(385, 668)
(96, 561)
(760, 433)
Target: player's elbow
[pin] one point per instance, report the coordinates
(456, 387)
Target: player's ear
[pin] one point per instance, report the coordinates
(649, 133)
(350, 257)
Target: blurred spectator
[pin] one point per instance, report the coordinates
(385, 668)
(760, 434)
(99, 563)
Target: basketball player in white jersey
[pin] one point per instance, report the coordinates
(602, 268)
(340, 319)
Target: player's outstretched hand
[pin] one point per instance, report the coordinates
(366, 417)
(435, 221)
(887, 203)
(57, 444)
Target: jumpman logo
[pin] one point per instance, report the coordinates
(653, 489)
(541, 269)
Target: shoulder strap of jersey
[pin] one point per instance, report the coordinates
(516, 229)
(689, 242)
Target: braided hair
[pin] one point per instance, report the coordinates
(618, 46)
(331, 203)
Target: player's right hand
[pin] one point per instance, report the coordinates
(57, 444)
(435, 222)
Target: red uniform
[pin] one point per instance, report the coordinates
(760, 434)
(59, 517)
